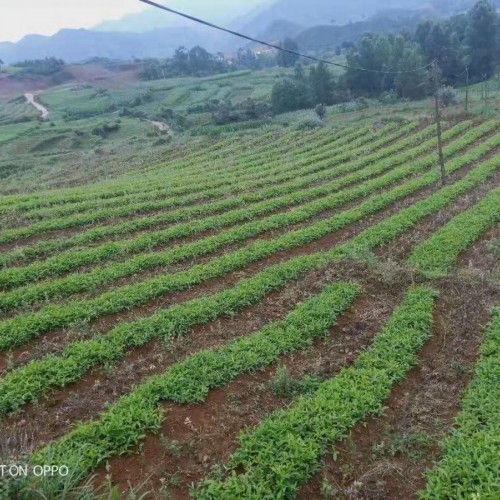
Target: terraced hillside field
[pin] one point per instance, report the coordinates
(16, 111)
(292, 314)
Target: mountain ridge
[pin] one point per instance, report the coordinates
(271, 20)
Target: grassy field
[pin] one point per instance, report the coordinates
(278, 312)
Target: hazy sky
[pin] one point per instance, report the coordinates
(46, 17)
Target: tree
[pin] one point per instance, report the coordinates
(321, 111)
(385, 56)
(201, 62)
(247, 59)
(322, 84)
(180, 61)
(443, 46)
(1, 64)
(285, 59)
(289, 95)
(152, 69)
(373, 53)
(299, 74)
(481, 37)
(411, 82)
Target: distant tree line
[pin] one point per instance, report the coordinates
(463, 41)
(468, 40)
(199, 62)
(40, 67)
(194, 62)
(306, 89)
(382, 66)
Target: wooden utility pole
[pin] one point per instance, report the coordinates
(436, 77)
(467, 89)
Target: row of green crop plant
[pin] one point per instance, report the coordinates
(16, 111)
(66, 287)
(470, 464)
(128, 185)
(29, 382)
(277, 457)
(190, 381)
(134, 186)
(307, 141)
(14, 234)
(153, 191)
(160, 191)
(101, 190)
(300, 180)
(208, 184)
(238, 157)
(191, 153)
(105, 189)
(436, 256)
(22, 328)
(237, 147)
(264, 169)
(248, 153)
(67, 262)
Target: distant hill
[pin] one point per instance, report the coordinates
(320, 12)
(324, 23)
(216, 11)
(80, 45)
(340, 12)
(325, 37)
(280, 30)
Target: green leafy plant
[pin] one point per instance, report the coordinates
(436, 256)
(470, 463)
(79, 282)
(285, 449)
(26, 383)
(126, 421)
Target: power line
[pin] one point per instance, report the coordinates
(277, 47)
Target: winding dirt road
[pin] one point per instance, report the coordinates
(30, 97)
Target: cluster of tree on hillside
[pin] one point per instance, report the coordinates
(467, 41)
(388, 64)
(401, 65)
(305, 89)
(49, 68)
(41, 67)
(194, 62)
(199, 62)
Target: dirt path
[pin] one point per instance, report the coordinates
(30, 97)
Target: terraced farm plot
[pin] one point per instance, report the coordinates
(218, 323)
(16, 111)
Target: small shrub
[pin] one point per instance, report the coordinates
(388, 97)
(284, 384)
(494, 248)
(320, 110)
(448, 96)
(309, 124)
(104, 129)
(361, 103)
